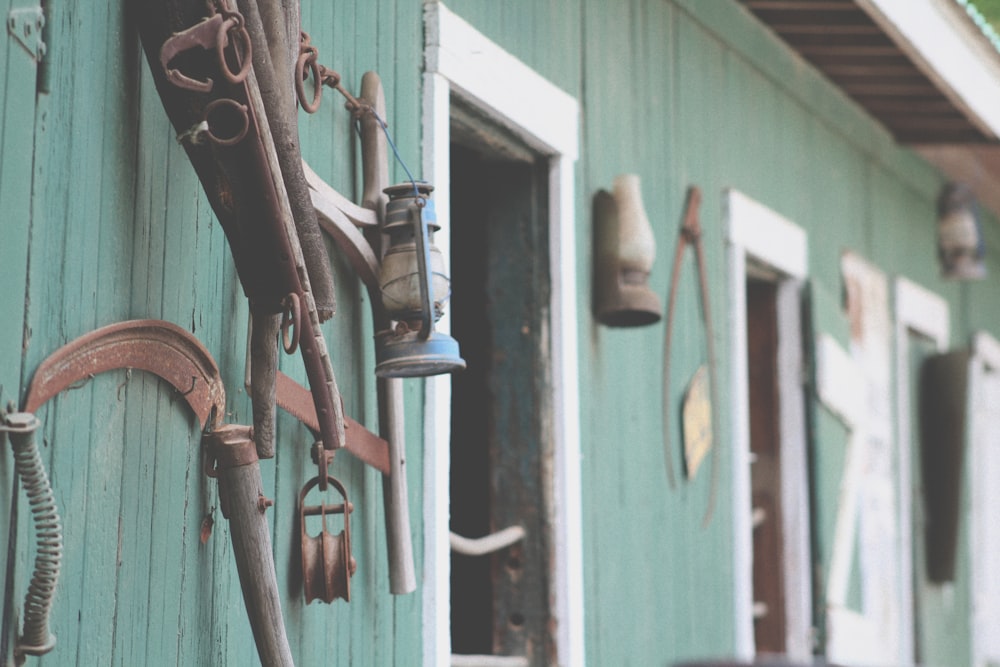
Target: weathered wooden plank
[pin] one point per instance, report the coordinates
(17, 118)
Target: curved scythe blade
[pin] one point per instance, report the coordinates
(154, 346)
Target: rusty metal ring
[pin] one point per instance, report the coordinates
(234, 24)
(308, 58)
(222, 105)
(290, 319)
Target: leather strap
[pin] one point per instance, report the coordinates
(690, 233)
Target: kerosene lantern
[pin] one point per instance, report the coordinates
(415, 286)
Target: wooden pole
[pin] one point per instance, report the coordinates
(375, 168)
(241, 496)
(402, 576)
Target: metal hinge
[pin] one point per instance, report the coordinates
(25, 24)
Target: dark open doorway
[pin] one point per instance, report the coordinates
(500, 442)
(765, 471)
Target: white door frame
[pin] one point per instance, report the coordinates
(756, 234)
(461, 61)
(922, 312)
(983, 423)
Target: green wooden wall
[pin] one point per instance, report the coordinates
(104, 220)
(119, 229)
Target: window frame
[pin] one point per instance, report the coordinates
(755, 234)
(461, 61)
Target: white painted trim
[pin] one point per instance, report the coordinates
(986, 350)
(919, 311)
(567, 505)
(744, 648)
(463, 62)
(756, 233)
(766, 235)
(855, 639)
(982, 429)
(949, 49)
(437, 405)
(840, 384)
(794, 472)
(923, 311)
(500, 84)
(841, 388)
(845, 531)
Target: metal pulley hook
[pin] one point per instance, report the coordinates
(327, 563)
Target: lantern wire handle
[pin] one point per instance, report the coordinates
(395, 151)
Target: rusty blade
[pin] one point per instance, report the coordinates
(154, 346)
(296, 400)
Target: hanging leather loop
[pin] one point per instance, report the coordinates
(690, 233)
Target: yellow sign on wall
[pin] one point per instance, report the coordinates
(697, 417)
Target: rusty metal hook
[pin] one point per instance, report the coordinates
(211, 32)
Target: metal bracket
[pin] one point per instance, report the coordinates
(25, 24)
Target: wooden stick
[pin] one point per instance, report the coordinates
(375, 169)
(402, 576)
(263, 351)
(241, 495)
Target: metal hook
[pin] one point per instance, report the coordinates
(211, 32)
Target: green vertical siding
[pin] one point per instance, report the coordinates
(681, 92)
(17, 116)
(121, 230)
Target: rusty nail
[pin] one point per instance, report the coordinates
(263, 502)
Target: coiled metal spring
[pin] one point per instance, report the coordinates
(36, 638)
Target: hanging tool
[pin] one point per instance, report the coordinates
(344, 222)
(327, 564)
(176, 356)
(153, 346)
(690, 234)
(240, 142)
(228, 139)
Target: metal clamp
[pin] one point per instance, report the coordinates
(212, 32)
